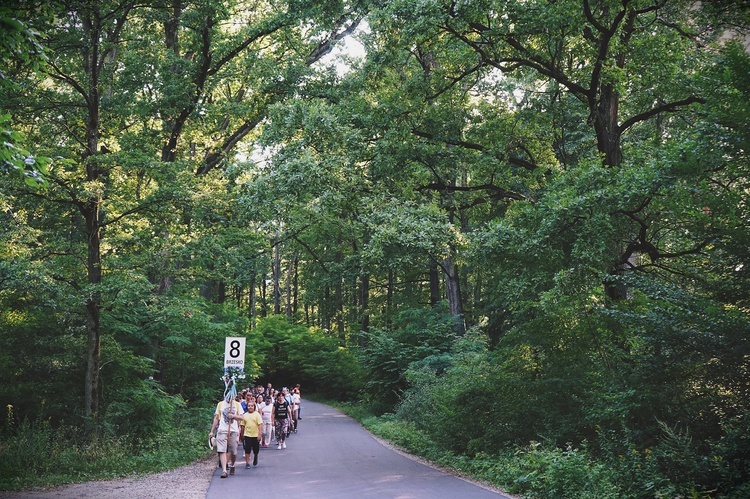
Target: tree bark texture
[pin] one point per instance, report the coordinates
(91, 212)
(453, 293)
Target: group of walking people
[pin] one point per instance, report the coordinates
(254, 418)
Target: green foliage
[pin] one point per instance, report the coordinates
(296, 354)
(16, 160)
(403, 434)
(535, 470)
(584, 172)
(145, 411)
(419, 337)
(41, 454)
(38, 359)
(539, 472)
(628, 380)
(20, 45)
(324, 366)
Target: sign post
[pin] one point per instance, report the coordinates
(234, 353)
(234, 367)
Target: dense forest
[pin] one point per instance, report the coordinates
(531, 216)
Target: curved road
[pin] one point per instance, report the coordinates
(332, 456)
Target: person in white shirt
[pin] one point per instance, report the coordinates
(266, 410)
(295, 409)
(227, 417)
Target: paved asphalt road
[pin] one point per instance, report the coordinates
(331, 457)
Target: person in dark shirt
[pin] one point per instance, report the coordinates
(280, 419)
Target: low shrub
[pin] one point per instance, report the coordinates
(35, 454)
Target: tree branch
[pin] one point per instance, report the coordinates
(214, 158)
(326, 45)
(669, 107)
(59, 278)
(59, 75)
(312, 253)
(529, 60)
(115, 34)
(268, 28)
(497, 192)
(528, 165)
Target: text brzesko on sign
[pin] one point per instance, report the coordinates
(234, 352)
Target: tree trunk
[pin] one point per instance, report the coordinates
(289, 276)
(253, 311)
(607, 127)
(91, 212)
(295, 285)
(390, 289)
(453, 292)
(276, 272)
(221, 292)
(608, 142)
(339, 304)
(263, 298)
(364, 302)
(338, 292)
(325, 314)
(434, 285)
(93, 305)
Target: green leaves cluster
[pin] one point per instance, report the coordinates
(21, 45)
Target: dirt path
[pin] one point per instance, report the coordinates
(187, 482)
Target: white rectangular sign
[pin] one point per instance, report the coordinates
(234, 352)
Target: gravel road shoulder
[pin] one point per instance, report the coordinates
(186, 482)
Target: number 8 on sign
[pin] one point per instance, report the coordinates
(234, 352)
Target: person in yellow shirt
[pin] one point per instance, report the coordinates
(250, 432)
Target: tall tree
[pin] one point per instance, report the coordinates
(589, 53)
(81, 70)
(136, 95)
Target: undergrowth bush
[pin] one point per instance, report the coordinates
(535, 471)
(544, 470)
(144, 410)
(402, 433)
(35, 454)
(538, 471)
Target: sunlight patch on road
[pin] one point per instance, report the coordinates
(390, 479)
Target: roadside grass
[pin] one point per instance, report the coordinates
(530, 472)
(36, 455)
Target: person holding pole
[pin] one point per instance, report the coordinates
(227, 417)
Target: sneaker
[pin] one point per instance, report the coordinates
(231, 470)
(283, 445)
(247, 466)
(278, 447)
